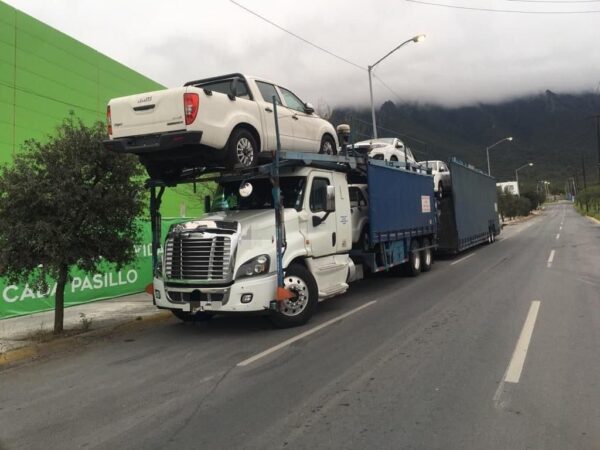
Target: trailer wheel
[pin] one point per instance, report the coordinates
(185, 316)
(327, 146)
(242, 150)
(414, 262)
(299, 309)
(426, 257)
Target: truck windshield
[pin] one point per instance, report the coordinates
(228, 196)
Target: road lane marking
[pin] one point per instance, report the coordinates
(558, 236)
(550, 258)
(513, 374)
(302, 335)
(461, 259)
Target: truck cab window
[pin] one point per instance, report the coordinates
(317, 194)
(224, 87)
(268, 91)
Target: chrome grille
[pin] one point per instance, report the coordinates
(198, 258)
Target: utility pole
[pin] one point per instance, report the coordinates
(584, 184)
(598, 143)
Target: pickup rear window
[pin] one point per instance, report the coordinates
(224, 87)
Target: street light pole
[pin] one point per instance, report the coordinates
(517, 174)
(487, 151)
(370, 68)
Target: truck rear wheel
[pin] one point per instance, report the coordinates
(242, 150)
(426, 256)
(413, 266)
(299, 309)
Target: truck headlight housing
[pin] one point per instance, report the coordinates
(253, 267)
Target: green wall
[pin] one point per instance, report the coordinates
(44, 74)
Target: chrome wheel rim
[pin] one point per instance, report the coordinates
(417, 261)
(294, 306)
(327, 148)
(427, 257)
(245, 152)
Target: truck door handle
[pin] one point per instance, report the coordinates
(295, 117)
(267, 109)
(333, 239)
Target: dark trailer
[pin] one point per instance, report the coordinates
(470, 215)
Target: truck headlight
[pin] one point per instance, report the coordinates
(255, 266)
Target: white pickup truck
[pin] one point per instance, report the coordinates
(226, 120)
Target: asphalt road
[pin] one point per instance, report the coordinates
(497, 348)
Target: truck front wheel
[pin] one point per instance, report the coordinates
(242, 150)
(298, 309)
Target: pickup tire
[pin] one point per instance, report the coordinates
(327, 146)
(242, 149)
(297, 310)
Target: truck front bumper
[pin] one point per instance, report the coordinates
(246, 295)
(153, 142)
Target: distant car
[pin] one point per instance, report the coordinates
(441, 175)
(386, 149)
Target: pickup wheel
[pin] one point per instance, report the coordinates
(426, 256)
(297, 310)
(327, 146)
(242, 150)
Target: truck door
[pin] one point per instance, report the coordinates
(267, 91)
(322, 236)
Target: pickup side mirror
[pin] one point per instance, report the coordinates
(309, 108)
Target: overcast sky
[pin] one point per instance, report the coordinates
(468, 56)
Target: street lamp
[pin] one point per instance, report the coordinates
(417, 38)
(517, 173)
(487, 151)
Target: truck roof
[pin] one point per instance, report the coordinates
(225, 77)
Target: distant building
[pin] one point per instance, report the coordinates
(510, 187)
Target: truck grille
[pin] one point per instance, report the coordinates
(198, 258)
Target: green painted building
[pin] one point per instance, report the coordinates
(45, 74)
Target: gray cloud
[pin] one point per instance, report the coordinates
(468, 57)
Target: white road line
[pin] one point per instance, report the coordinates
(550, 258)
(302, 335)
(560, 228)
(558, 236)
(513, 374)
(461, 259)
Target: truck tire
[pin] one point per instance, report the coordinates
(298, 310)
(413, 266)
(426, 256)
(186, 316)
(327, 146)
(242, 150)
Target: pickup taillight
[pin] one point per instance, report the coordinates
(191, 102)
(108, 120)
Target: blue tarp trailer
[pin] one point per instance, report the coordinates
(470, 215)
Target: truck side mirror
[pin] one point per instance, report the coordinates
(309, 108)
(207, 203)
(330, 199)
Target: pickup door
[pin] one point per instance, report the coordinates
(265, 103)
(148, 113)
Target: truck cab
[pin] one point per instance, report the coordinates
(225, 260)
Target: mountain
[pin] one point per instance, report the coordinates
(551, 130)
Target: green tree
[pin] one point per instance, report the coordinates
(67, 203)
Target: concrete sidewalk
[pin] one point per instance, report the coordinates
(22, 331)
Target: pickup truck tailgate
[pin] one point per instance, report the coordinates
(148, 113)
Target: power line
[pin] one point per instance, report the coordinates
(554, 1)
(516, 11)
(306, 41)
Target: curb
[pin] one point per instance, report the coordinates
(593, 219)
(34, 350)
